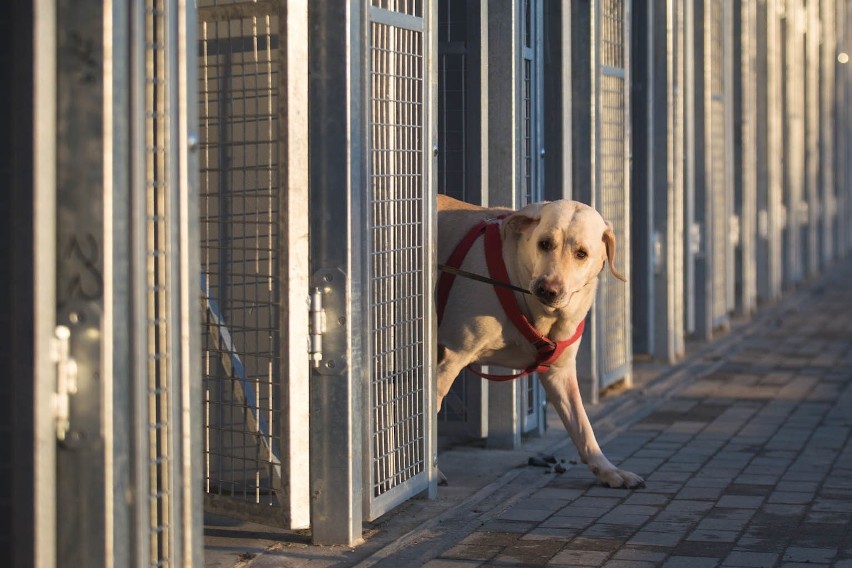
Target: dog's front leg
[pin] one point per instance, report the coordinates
(564, 393)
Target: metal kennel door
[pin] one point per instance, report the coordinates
(254, 258)
(398, 260)
(601, 176)
(612, 197)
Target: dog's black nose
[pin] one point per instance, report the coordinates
(546, 292)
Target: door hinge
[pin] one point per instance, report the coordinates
(66, 380)
(328, 323)
(317, 326)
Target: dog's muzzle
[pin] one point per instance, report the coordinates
(547, 292)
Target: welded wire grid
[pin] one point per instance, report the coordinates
(529, 191)
(408, 7)
(527, 124)
(398, 381)
(238, 100)
(613, 186)
(159, 380)
(717, 167)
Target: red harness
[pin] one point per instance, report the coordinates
(547, 351)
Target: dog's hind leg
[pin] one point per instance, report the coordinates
(450, 364)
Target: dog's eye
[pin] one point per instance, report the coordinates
(546, 245)
(581, 254)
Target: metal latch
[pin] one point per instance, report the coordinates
(734, 230)
(66, 380)
(317, 326)
(695, 238)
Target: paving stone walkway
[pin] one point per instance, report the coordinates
(750, 465)
(745, 449)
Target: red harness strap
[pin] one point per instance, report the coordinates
(547, 351)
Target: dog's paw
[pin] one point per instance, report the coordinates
(442, 479)
(620, 478)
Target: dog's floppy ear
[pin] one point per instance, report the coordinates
(521, 220)
(609, 243)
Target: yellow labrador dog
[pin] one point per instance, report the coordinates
(554, 251)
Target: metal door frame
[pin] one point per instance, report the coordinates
(337, 183)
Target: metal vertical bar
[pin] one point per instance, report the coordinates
(769, 153)
(666, 237)
(648, 162)
(583, 58)
(730, 227)
(692, 88)
(79, 278)
(138, 288)
(504, 175)
(745, 156)
(430, 235)
(336, 47)
(188, 409)
(116, 334)
(295, 269)
(828, 117)
(43, 527)
(813, 231)
(794, 138)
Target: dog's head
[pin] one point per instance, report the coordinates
(563, 245)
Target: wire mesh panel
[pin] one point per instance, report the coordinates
(613, 200)
(398, 273)
(239, 83)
